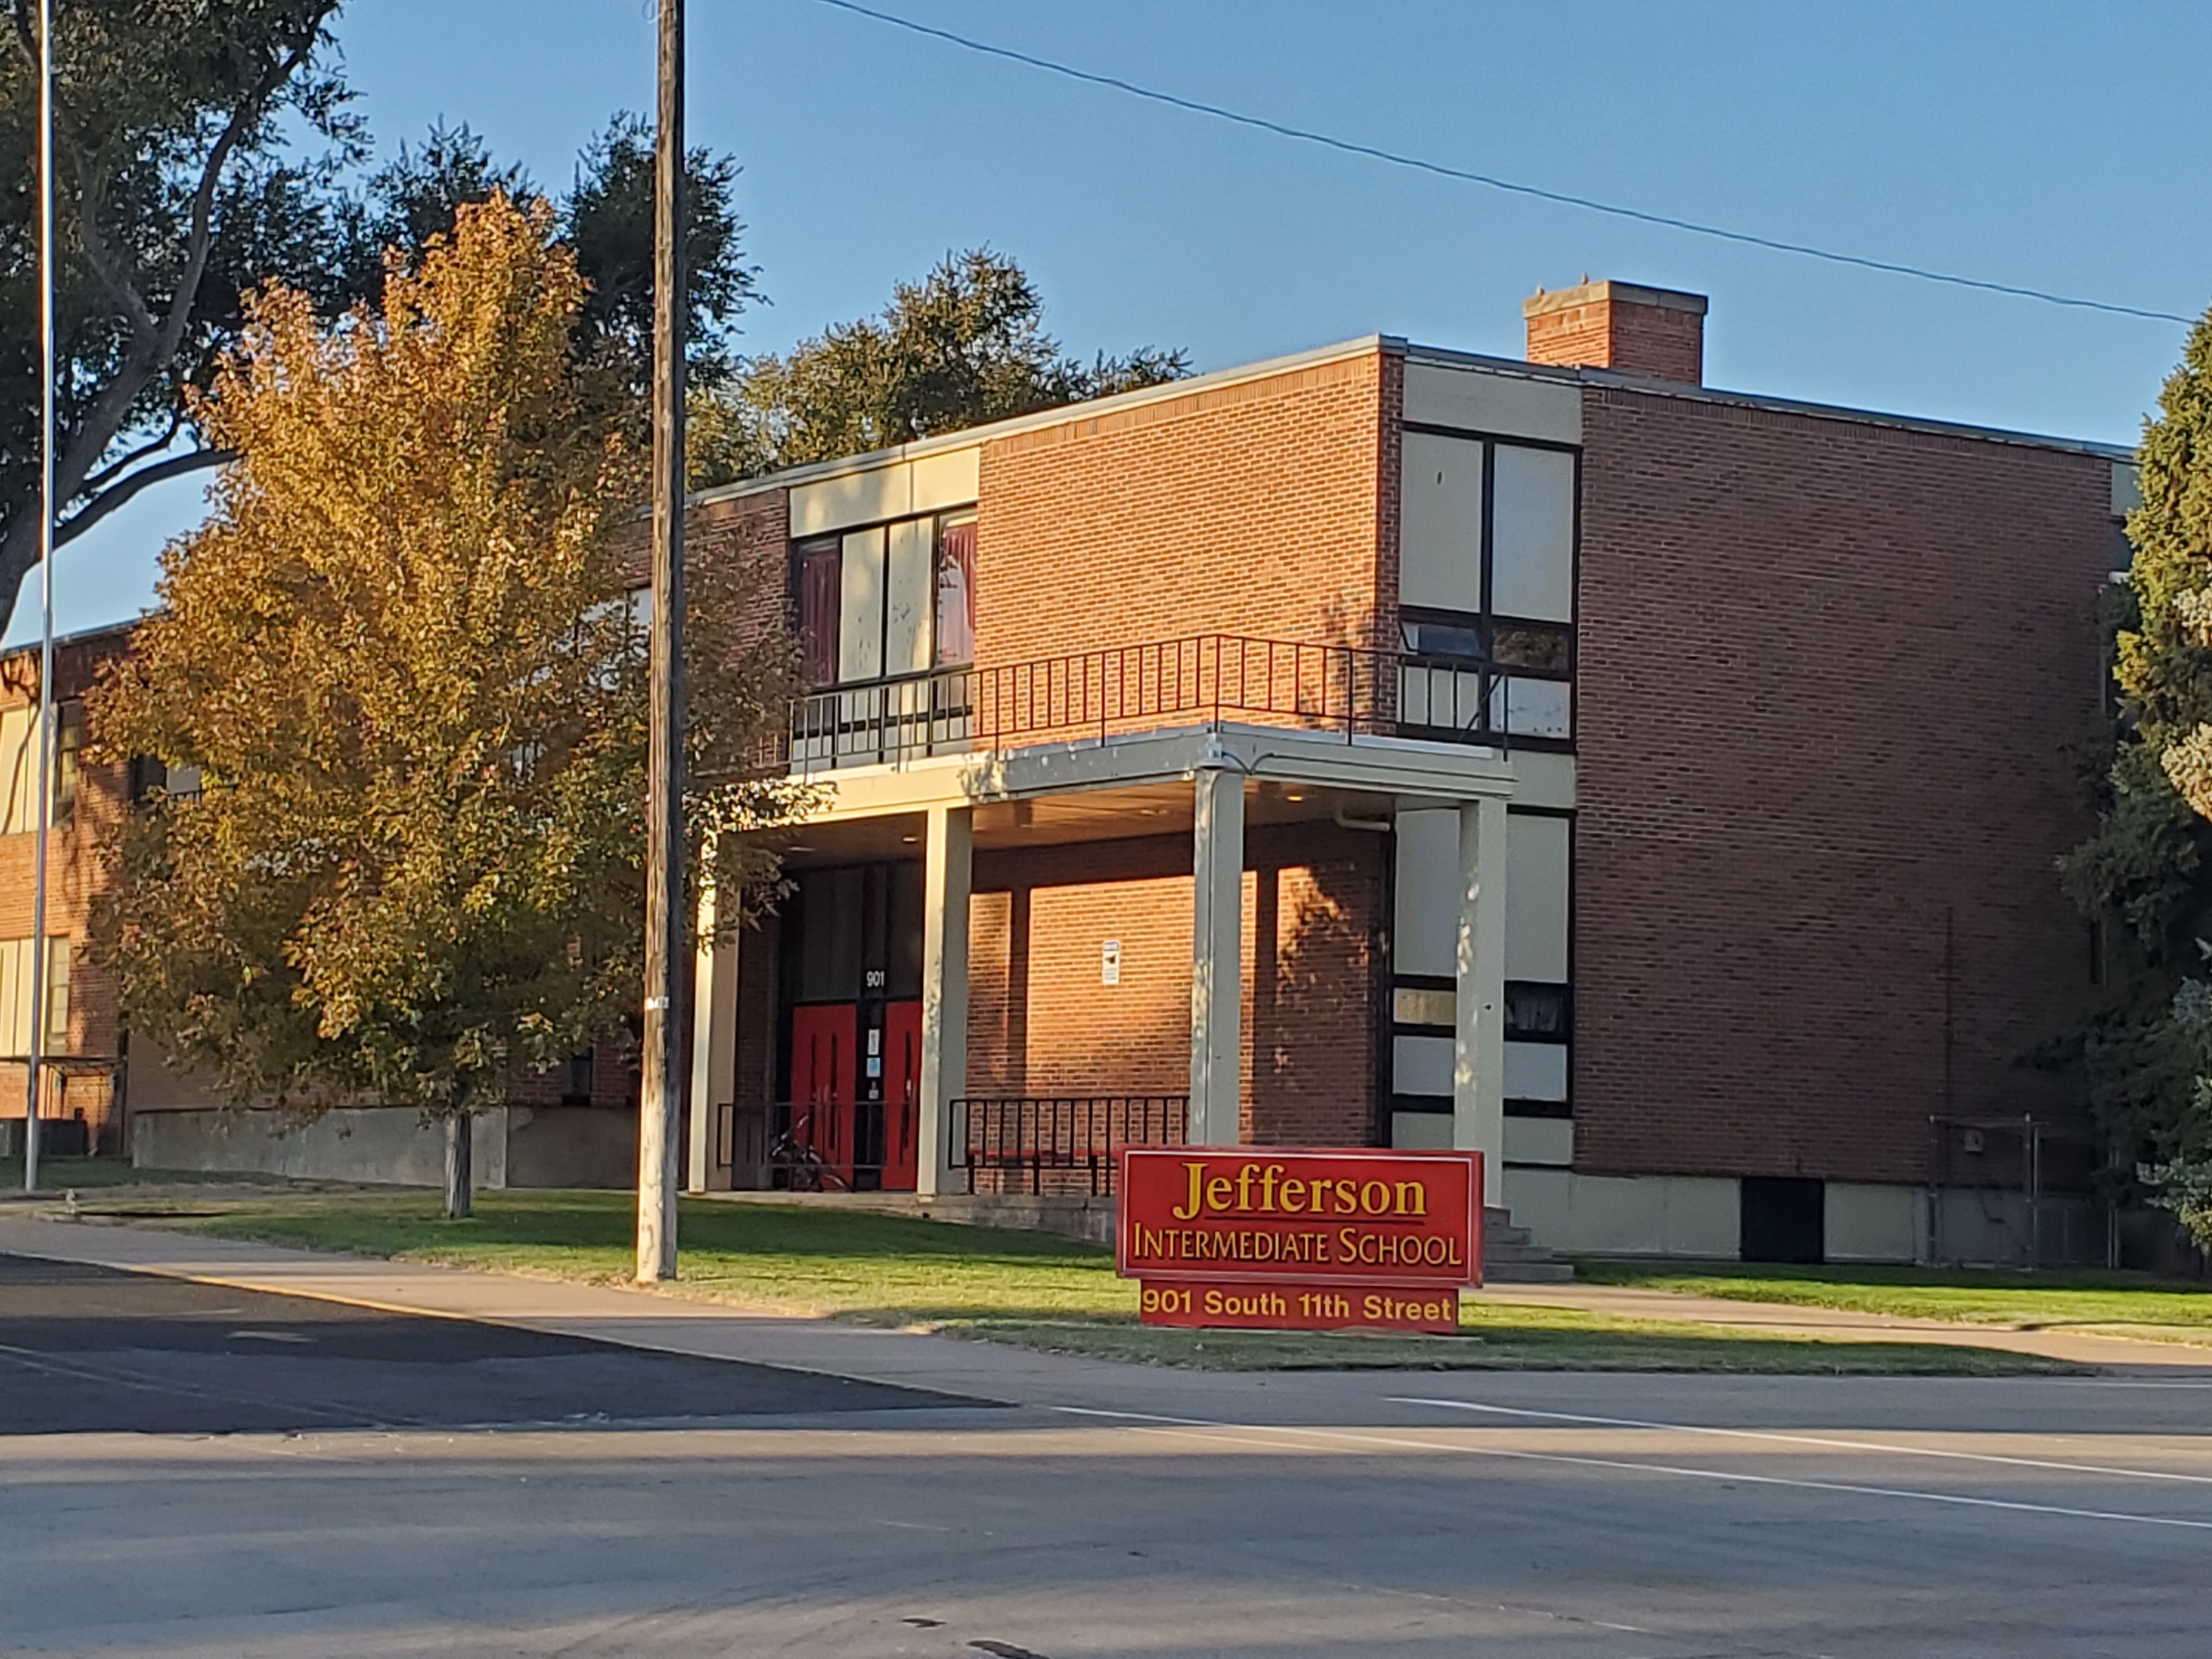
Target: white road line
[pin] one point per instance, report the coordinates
(1195, 1427)
(1808, 1440)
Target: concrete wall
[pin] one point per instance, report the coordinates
(376, 1143)
(571, 1146)
(1612, 1215)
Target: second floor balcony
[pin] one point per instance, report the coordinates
(1201, 679)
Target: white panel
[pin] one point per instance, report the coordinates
(1526, 707)
(860, 610)
(1421, 1131)
(1422, 1066)
(1543, 779)
(870, 497)
(1532, 530)
(1872, 1224)
(1535, 1070)
(1411, 1007)
(1425, 939)
(1440, 523)
(1485, 400)
(908, 645)
(1540, 1140)
(946, 481)
(1536, 898)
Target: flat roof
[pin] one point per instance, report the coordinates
(1441, 357)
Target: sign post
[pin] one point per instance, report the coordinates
(1299, 1239)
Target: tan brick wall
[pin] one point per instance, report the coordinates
(1832, 676)
(1250, 509)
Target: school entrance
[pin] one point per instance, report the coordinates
(850, 1055)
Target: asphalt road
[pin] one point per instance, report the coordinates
(89, 1349)
(1420, 1515)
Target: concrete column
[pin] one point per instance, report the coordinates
(714, 1035)
(947, 881)
(1479, 1045)
(1217, 968)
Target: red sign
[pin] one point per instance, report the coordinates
(1289, 1304)
(1299, 1239)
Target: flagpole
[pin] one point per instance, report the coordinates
(44, 796)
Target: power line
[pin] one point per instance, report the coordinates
(1420, 165)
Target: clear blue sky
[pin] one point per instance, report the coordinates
(2053, 146)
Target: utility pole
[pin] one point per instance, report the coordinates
(665, 1029)
(44, 798)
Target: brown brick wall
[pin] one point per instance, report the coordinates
(1250, 509)
(1831, 678)
(1041, 1022)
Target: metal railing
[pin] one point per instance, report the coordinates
(1059, 1144)
(1094, 694)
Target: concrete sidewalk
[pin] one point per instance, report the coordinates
(1844, 1325)
(988, 1370)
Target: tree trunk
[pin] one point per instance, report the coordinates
(460, 1148)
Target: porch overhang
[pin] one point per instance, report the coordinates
(1408, 770)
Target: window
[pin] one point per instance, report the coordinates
(15, 983)
(1532, 533)
(955, 592)
(1486, 587)
(19, 765)
(890, 600)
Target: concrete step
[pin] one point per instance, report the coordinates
(1509, 1258)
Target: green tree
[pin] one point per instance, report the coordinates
(403, 652)
(176, 190)
(2146, 873)
(207, 146)
(964, 346)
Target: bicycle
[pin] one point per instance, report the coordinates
(806, 1170)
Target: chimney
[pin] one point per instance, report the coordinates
(1646, 330)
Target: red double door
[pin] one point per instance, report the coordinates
(856, 1077)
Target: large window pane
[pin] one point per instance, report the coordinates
(908, 648)
(1532, 561)
(821, 597)
(860, 613)
(955, 592)
(1440, 523)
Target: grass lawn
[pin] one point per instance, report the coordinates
(2111, 1304)
(60, 1174)
(995, 1284)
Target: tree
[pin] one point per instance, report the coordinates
(606, 219)
(175, 191)
(207, 147)
(2146, 873)
(403, 654)
(965, 345)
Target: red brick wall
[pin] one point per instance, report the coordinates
(1041, 1022)
(1247, 509)
(744, 538)
(1830, 675)
(73, 877)
(1618, 333)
